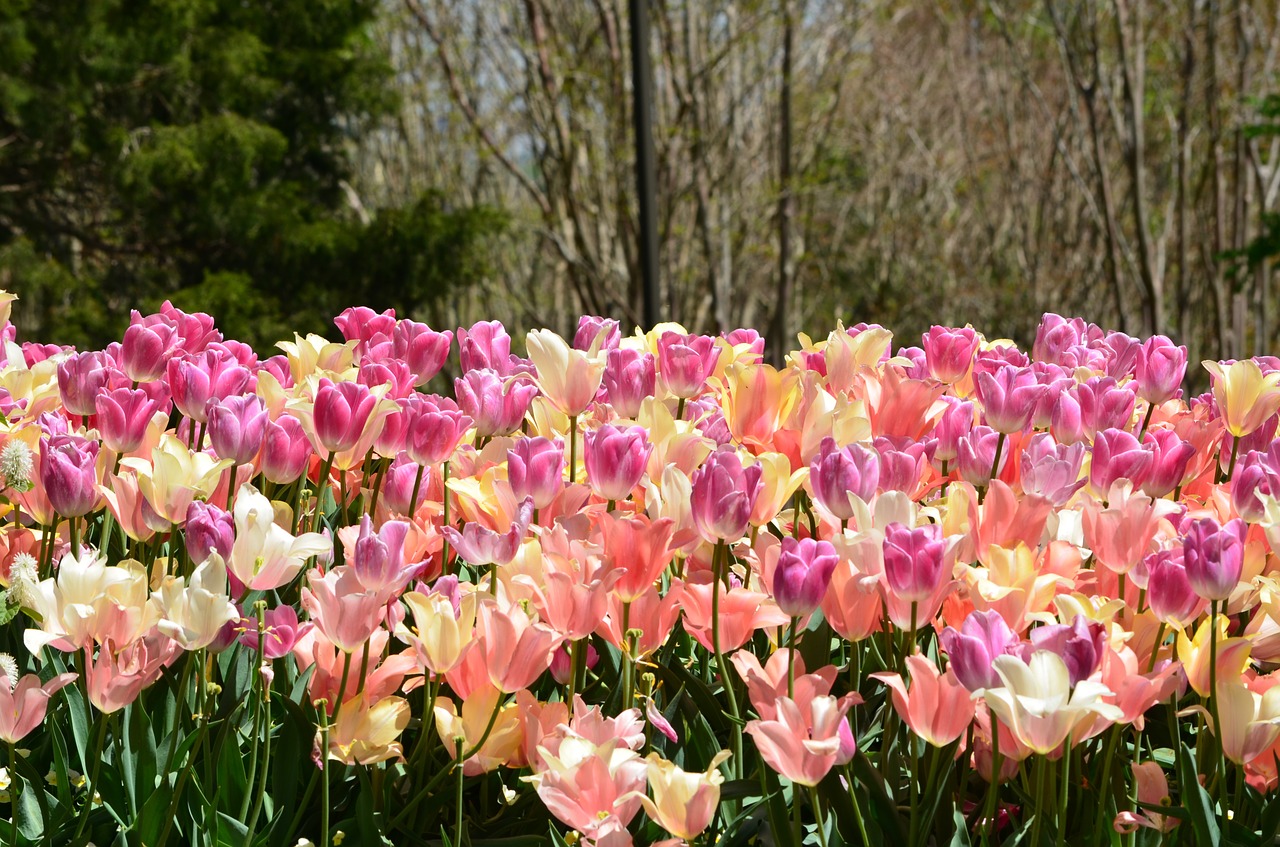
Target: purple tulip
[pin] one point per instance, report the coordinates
(724, 493)
(68, 472)
(629, 377)
(237, 426)
(535, 469)
(1080, 645)
(1159, 370)
(802, 574)
(913, 560)
(837, 472)
(208, 530)
(615, 458)
(1214, 556)
(949, 352)
(972, 651)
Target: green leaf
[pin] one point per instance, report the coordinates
(960, 836)
(883, 810)
(1197, 802)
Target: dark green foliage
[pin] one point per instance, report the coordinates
(197, 150)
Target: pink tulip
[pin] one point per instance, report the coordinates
(496, 404)
(1169, 590)
(1256, 474)
(977, 454)
(1170, 456)
(1160, 368)
(68, 473)
(936, 707)
(600, 333)
(360, 323)
(83, 376)
(837, 472)
(561, 662)
(802, 575)
(1121, 534)
(392, 373)
(742, 612)
(971, 651)
(1056, 336)
(1105, 405)
(1118, 455)
(214, 374)
(123, 417)
(237, 427)
(479, 545)
(145, 351)
(285, 450)
(535, 469)
(117, 676)
(23, 707)
(342, 608)
(1214, 556)
(949, 352)
(1066, 421)
(724, 493)
(516, 649)
(485, 346)
(685, 362)
(615, 458)
(398, 482)
(803, 741)
(421, 348)
(913, 561)
(653, 614)
(434, 432)
(1081, 645)
(341, 412)
(280, 633)
(208, 530)
(1052, 470)
(629, 377)
(955, 423)
(902, 463)
(1009, 396)
(765, 684)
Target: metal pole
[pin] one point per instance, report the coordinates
(646, 184)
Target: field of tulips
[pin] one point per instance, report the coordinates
(636, 589)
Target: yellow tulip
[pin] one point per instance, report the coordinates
(1245, 396)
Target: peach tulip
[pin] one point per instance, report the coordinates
(683, 803)
(936, 706)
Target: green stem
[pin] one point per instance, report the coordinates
(231, 489)
(15, 785)
(417, 486)
(791, 664)
(322, 486)
(1146, 420)
(993, 788)
(93, 777)
(324, 777)
(573, 448)
(1038, 812)
(458, 744)
(1151, 664)
(1064, 797)
(628, 659)
(720, 555)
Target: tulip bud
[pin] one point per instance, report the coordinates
(1214, 556)
(146, 349)
(802, 574)
(360, 323)
(285, 450)
(208, 530)
(1170, 456)
(237, 426)
(378, 557)
(1159, 370)
(685, 362)
(82, 377)
(956, 421)
(836, 472)
(421, 348)
(977, 454)
(902, 463)
(615, 458)
(629, 377)
(949, 352)
(600, 333)
(433, 435)
(1105, 405)
(723, 495)
(68, 472)
(123, 417)
(972, 651)
(1118, 455)
(486, 346)
(535, 468)
(1169, 590)
(1052, 470)
(913, 560)
(342, 409)
(214, 374)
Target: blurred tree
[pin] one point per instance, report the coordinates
(198, 150)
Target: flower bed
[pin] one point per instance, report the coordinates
(636, 589)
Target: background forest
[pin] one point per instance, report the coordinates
(924, 162)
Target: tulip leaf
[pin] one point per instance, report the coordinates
(1197, 802)
(8, 608)
(31, 813)
(960, 835)
(840, 800)
(882, 808)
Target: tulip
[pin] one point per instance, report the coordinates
(196, 380)
(595, 334)
(1214, 556)
(802, 575)
(949, 352)
(485, 346)
(653, 614)
(1170, 456)
(936, 706)
(342, 608)
(123, 417)
(1009, 396)
(367, 732)
(569, 378)
(913, 561)
(685, 362)
(23, 705)
(803, 741)
(468, 725)
(723, 495)
(765, 684)
(1209, 656)
(516, 649)
(82, 377)
(285, 450)
(1052, 470)
(562, 662)
(264, 555)
(976, 455)
(435, 431)
(629, 377)
(615, 458)
(1256, 477)
(535, 469)
(342, 410)
(592, 788)
(88, 602)
(1056, 335)
(1038, 703)
(360, 323)
(130, 509)
(237, 427)
(68, 473)
(118, 675)
(378, 559)
(955, 423)
(836, 473)
(281, 631)
(421, 348)
(208, 530)
(145, 352)
(442, 631)
(1249, 723)
(637, 549)
(1245, 397)
(482, 546)
(972, 651)
(1160, 368)
(1152, 790)
(1105, 405)
(193, 613)
(1169, 591)
(683, 803)
(496, 404)
(1066, 421)
(1079, 645)
(1118, 455)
